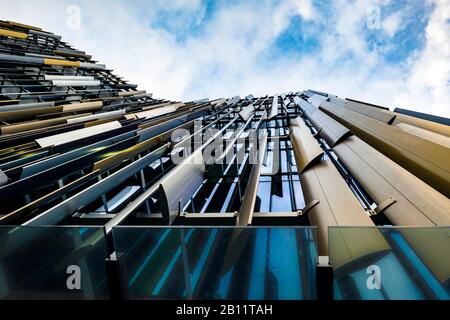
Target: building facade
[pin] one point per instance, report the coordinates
(236, 197)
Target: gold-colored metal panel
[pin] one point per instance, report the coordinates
(22, 25)
(372, 112)
(337, 205)
(131, 93)
(13, 34)
(248, 203)
(57, 62)
(417, 204)
(424, 124)
(424, 133)
(329, 129)
(127, 153)
(349, 245)
(306, 149)
(425, 159)
(432, 245)
(82, 106)
(27, 113)
(32, 125)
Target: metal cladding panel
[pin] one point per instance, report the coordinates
(20, 59)
(329, 129)
(96, 116)
(131, 93)
(156, 112)
(32, 125)
(26, 113)
(274, 108)
(68, 78)
(23, 106)
(424, 116)
(22, 25)
(337, 205)
(182, 181)
(13, 34)
(432, 245)
(246, 112)
(423, 133)
(66, 137)
(75, 83)
(417, 204)
(82, 106)
(372, 112)
(425, 159)
(306, 149)
(424, 124)
(317, 99)
(248, 203)
(356, 243)
(337, 100)
(66, 208)
(306, 107)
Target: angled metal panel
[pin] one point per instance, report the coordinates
(72, 204)
(422, 123)
(274, 108)
(337, 205)
(181, 182)
(423, 133)
(248, 203)
(66, 137)
(26, 113)
(306, 149)
(82, 106)
(425, 159)
(246, 112)
(417, 204)
(432, 246)
(96, 116)
(306, 107)
(352, 244)
(317, 99)
(329, 129)
(22, 106)
(372, 112)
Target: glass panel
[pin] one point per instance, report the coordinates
(217, 263)
(390, 263)
(52, 263)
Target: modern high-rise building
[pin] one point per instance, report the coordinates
(109, 192)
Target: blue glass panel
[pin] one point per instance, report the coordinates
(389, 263)
(217, 263)
(53, 263)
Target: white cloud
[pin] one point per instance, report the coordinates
(392, 24)
(228, 56)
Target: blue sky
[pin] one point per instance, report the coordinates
(395, 53)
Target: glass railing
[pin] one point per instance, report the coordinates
(390, 263)
(217, 262)
(53, 263)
